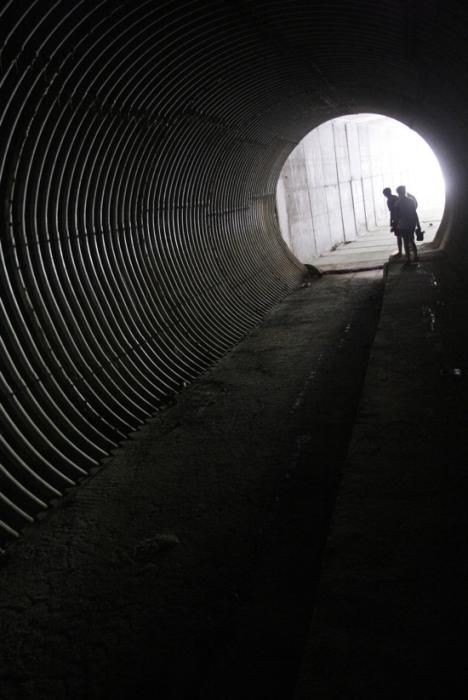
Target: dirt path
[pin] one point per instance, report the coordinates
(187, 567)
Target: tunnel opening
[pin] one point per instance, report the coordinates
(329, 191)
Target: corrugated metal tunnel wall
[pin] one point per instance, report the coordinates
(141, 143)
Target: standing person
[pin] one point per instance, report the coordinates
(418, 225)
(391, 202)
(407, 221)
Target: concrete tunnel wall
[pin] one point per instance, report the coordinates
(141, 144)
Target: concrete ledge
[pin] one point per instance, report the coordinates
(391, 615)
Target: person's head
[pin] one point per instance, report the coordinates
(401, 191)
(386, 192)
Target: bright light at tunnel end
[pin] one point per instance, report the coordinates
(330, 188)
(412, 155)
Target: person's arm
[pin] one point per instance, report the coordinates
(418, 225)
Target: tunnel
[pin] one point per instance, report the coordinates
(141, 149)
(141, 146)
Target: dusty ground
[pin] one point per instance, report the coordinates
(187, 567)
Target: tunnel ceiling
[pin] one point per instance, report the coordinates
(140, 147)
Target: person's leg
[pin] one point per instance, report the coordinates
(412, 245)
(399, 243)
(406, 244)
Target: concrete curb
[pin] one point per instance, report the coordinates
(391, 608)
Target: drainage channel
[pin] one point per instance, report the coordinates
(260, 654)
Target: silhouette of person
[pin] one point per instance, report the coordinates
(418, 225)
(391, 202)
(407, 221)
